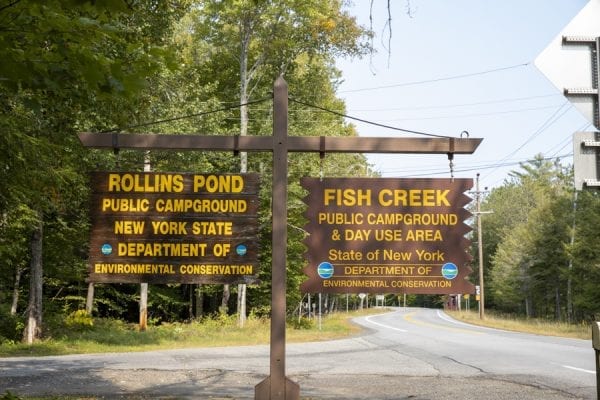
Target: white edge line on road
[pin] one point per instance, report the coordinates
(578, 369)
(368, 319)
(449, 319)
(446, 318)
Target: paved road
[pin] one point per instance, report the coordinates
(406, 354)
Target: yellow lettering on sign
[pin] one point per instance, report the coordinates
(169, 227)
(341, 255)
(437, 255)
(424, 235)
(388, 235)
(218, 269)
(397, 255)
(414, 198)
(218, 183)
(411, 219)
(347, 197)
(379, 270)
(358, 283)
(357, 235)
(142, 249)
(118, 268)
(340, 218)
(201, 205)
(145, 183)
(129, 227)
(125, 205)
(212, 228)
(422, 284)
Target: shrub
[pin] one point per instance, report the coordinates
(79, 319)
(11, 328)
(300, 323)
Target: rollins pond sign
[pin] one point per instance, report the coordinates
(383, 235)
(174, 227)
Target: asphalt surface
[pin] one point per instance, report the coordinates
(409, 354)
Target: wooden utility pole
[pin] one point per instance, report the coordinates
(480, 252)
(478, 213)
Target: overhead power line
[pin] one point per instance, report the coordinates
(446, 78)
(368, 122)
(476, 168)
(444, 106)
(199, 114)
(547, 123)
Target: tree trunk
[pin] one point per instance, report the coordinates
(241, 305)
(89, 301)
(225, 299)
(33, 327)
(15, 299)
(143, 306)
(199, 302)
(244, 82)
(557, 303)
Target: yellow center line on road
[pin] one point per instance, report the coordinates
(409, 318)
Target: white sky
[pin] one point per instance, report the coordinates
(504, 99)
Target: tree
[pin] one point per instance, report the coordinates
(531, 213)
(66, 64)
(267, 39)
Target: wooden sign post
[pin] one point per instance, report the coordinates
(277, 386)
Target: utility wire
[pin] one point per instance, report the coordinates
(479, 103)
(368, 122)
(547, 123)
(161, 121)
(477, 168)
(438, 79)
(473, 114)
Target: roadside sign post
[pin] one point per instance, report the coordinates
(596, 345)
(277, 386)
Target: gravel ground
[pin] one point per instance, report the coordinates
(220, 384)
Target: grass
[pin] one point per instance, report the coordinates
(106, 336)
(528, 325)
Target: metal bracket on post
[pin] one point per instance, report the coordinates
(236, 145)
(586, 159)
(594, 45)
(115, 143)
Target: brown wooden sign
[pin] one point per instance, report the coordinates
(387, 235)
(174, 227)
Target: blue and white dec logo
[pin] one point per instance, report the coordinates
(241, 250)
(449, 271)
(325, 270)
(106, 249)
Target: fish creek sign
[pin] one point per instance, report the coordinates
(174, 227)
(382, 235)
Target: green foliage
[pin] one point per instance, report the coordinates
(79, 319)
(11, 327)
(9, 396)
(262, 312)
(526, 241)
(300, 323)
